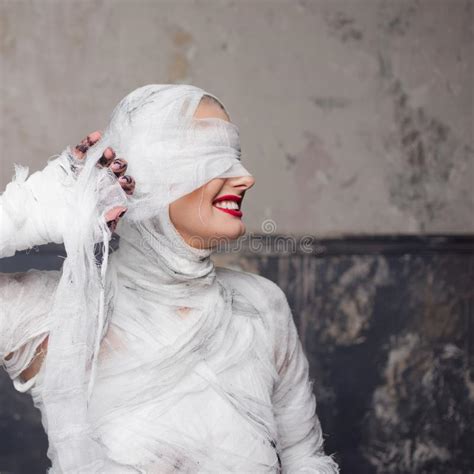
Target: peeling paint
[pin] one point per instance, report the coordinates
(429, 154)
(179, 69)
(182, 38)
(425, 383)
(311, 168)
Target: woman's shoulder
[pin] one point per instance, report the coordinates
(259, 297)
(261, 291)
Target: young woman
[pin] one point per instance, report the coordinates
(152, 359)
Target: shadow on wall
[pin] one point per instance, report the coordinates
(387, 325)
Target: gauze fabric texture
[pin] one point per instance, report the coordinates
(157, 360)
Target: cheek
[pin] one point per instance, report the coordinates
(213, 188)
(206, 197)
(193, 211)
(195, 214)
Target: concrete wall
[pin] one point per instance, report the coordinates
(356, 116)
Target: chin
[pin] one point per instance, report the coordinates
(235, 235)
(232, 231)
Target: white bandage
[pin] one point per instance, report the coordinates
(34, 209)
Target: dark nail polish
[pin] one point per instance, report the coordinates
(82, 148)
(103, 161)
(118, 165)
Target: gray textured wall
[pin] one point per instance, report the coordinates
(356, 116)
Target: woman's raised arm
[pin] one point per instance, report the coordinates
(33, 210)
(32, 213)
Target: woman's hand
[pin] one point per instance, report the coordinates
(117, 165)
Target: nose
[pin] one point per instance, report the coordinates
(242, 182)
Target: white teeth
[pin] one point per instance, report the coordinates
(227, 205)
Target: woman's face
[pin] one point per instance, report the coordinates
(202, 221)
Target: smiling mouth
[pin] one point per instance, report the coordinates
(229, 203)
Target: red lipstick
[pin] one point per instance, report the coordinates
(229, 197)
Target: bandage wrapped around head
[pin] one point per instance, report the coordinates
(170, 154)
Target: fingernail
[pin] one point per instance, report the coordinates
(118, 165)
(103, 160)
(126, 178)
(111, 153)
(93, 137)
(82, 147)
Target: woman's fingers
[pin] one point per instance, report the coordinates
(127, 183)
(113, 216)
(107, 157)
(80, 150)
(119, 166)
(91, 139)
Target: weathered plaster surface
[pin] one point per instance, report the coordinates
(355, 116)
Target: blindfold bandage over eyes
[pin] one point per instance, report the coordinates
(178, 159)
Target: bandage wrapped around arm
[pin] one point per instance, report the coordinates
(25, 299)
(300, 436)
(33, 210)
(65, 203)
